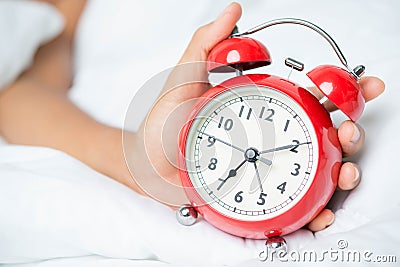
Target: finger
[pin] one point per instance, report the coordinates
(192, 66)
(323, 220)
(371, 88)
(207, 36)
(351, 137)
(349, 177)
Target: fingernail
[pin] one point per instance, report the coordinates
(331, 220)
(356, 175)
(356, 134)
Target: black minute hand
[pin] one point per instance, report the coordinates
(222, 141)
(266, 161)
(283, 147)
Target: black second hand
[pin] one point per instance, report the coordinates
(258, 178)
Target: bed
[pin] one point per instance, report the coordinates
(55, 211)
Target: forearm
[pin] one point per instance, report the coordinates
(32, 114)
(36, 110)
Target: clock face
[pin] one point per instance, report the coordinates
(251, 153)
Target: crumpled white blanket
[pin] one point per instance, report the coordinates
(55, 211)
(53, 206)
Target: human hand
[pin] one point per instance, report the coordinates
(161, 154)
(156, 155)
(351, 138)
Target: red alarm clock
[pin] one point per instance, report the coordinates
(259, 157)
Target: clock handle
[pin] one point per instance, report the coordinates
(339, 85)
(307, 24)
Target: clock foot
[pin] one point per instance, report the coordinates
(186, 215)
(276, 244)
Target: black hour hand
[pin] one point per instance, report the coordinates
(232, 173)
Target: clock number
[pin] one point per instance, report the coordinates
(295, 147)
(239, 197)
(211, 140)
(269, 116)
(227, 125)
(213, 164)
(282, 187)
(286, 125)
(262, 112)
(296, 170)
(248, 113)
(261, 199)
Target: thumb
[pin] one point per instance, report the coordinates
(207, 36)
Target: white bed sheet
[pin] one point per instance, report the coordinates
(120, 45)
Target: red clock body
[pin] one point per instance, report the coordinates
(324, 180)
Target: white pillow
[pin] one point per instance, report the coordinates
(24, 26)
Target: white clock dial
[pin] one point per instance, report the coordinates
(252, 153)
